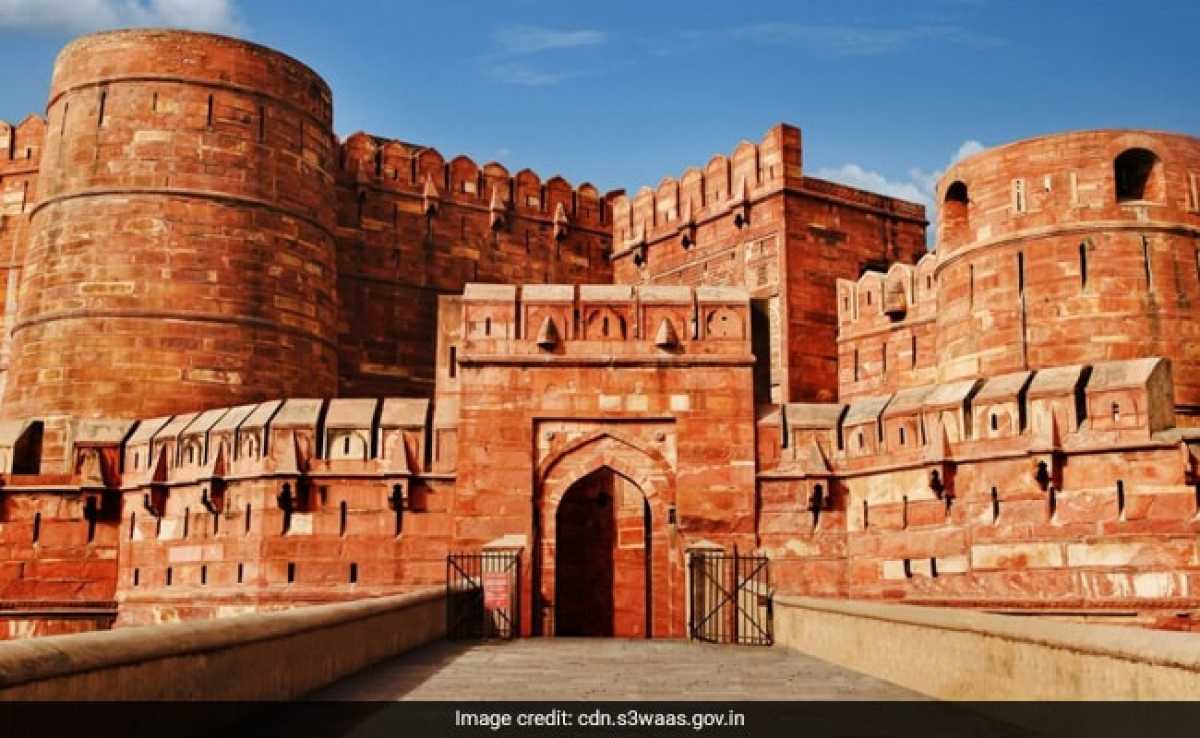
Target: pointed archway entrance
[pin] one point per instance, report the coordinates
(606, 560)
(602, 551)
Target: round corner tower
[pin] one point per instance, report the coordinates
(1072, 248)
(181, 253)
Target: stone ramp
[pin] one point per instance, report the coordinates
(595, 669)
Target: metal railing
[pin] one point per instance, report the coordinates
(483, 595)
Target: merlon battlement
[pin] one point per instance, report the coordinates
(724, 183)
(21, 144)
(877, 301)
(293, 437)
(1041, 413)
(421, 172)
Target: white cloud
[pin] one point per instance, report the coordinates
(513, 42)
(856, 176)
(530, 39)
(82, 16)
(968, 148)
(836, 39)
(920, 187)
(516, 73)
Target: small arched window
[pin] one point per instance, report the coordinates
(955, 215)
(1137, 173)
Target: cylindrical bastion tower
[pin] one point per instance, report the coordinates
(1072, 249)
(181, 253)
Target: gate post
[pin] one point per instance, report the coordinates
(695, 551)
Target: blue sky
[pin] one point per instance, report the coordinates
(621, 94)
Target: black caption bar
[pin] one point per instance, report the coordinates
(567, 719)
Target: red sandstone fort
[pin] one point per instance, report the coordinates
(248, 366)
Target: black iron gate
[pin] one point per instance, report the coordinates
(730, 599)
(483, 595)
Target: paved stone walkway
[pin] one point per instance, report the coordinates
(607, 669)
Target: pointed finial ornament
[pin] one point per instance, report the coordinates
(687, 226)
(497, 209)
(741, 204)
(431, 200)
(561, 224)
(547, 335)
(666, 337)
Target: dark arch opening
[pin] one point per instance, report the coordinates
(1136, 172)
(760, 345)
(955, 211)
(602, 558)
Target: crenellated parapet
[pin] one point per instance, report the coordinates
(880, 301)
(725, 189)
(21, 145)
(1070, 487)
(1043, 414)
(1052, 411)
(375, 168)
(211, 511)
(886, 329)
(606, 323)
(293, 437)
(412, 225)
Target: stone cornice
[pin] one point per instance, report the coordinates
(605, 360)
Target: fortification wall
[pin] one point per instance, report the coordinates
(255, 507)
(1068, 490)
(754, 220)
(180, 253)
(413, 226)
(20, 156)
(887, 332)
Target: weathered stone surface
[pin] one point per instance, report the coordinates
(350, 358)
